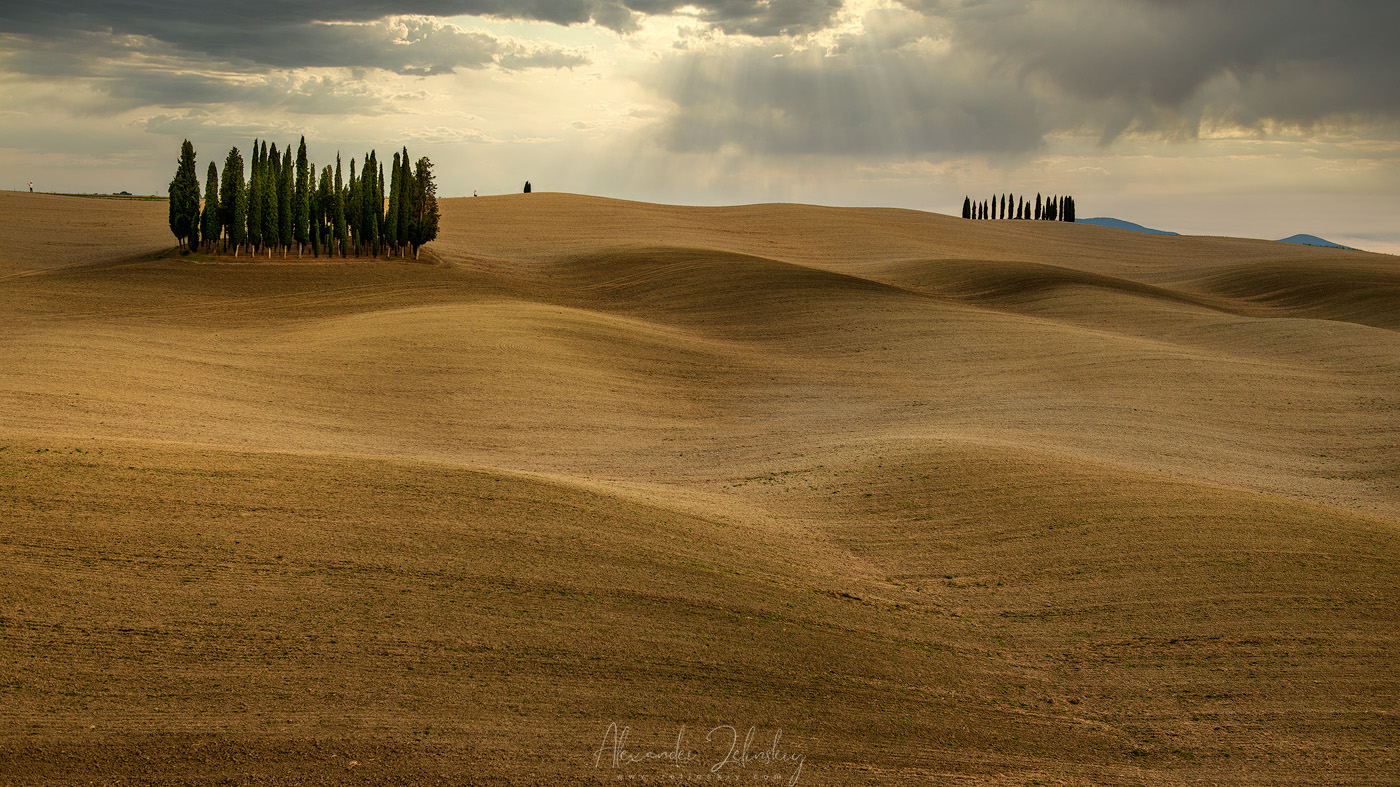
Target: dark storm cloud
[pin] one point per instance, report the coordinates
(280, 33)
(405, 45)
(190, 53)
(768, 17)
(1244, 61)
(995, 77)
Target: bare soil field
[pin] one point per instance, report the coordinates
(603, 492)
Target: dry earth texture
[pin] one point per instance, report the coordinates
(905, 498)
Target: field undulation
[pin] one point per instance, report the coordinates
(598, 491)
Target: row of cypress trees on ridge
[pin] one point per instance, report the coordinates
(283, 205)
(1010, 206)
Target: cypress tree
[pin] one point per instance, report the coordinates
(184, 199)
(373, 200)
(405, 198)
(285, 180)
(327, 212)
(1037, 206)
(272, 166)
(232, 201)
(527, 187)
(255, 199)
(352, 210)
(339, 209)
(424, 223)
(391, 214)
(210, 225)
(319, 199)
(379, 212)
(301, 212)
(967, 207)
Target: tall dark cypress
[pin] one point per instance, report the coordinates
(285, 180)
(255, 199)
(339, 214)
(353, 209)
(391, 214)
(320, 198)
(232, 201)
(379, 211)
(373, 201)
(405, 197)
(272, 166)
(301, 198)
(424, 222)
(967, 207)
(184, 199)
(209, 226)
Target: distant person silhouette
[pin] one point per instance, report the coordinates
(31, 187)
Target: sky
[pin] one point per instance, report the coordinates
(1252, 118)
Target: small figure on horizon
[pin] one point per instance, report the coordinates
(473, 192)
(31, 187)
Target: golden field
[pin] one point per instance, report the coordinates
(918, 500)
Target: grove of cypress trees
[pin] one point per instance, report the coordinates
(210, 224)
(184, 199)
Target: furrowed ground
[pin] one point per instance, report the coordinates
(911, 498)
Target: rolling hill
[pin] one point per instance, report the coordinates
(1123, 225)
(597, 488)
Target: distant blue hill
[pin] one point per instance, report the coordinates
(1122, 225)
(1313, 240)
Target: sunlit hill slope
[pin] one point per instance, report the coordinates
(916, 499)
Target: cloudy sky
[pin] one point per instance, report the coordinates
(1257, 118)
